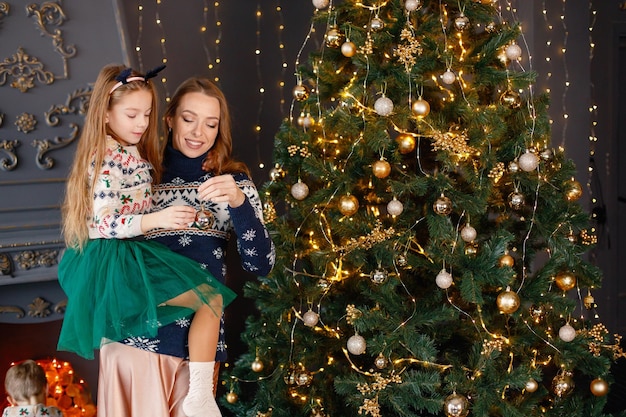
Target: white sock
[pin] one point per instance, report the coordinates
(200, 400)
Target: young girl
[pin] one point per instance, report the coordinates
(118, 287)
(27, 388)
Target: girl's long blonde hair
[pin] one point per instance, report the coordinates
(219, 159)
(78, 204)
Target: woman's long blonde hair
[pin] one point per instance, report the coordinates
(78, 204)
(219, 159)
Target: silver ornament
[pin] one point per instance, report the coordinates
(204, 219)
(299, 190)
(395, 207)
(468, 233)
(356, 345)
(383, 106)
(448, 77)
(310, 318)
(567, 333)
(411, 5)
(513, 52)
(320, 4)
(443, 279)
(528, 161)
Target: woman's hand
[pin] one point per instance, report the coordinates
(173, 217)
(221, 189)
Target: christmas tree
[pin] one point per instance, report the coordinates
(429, 238)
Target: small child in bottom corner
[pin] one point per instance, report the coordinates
(26, 386)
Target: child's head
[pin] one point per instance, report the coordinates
(113, 87)
(25, 383)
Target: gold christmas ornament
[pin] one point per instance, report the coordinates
(334, 37)
(565, 280)
(379, 276)
(562, 384)
(589, 301)
(471, 249)
(304, 378)
(573, 190)
(348, 205)
(461, 22)
(376, 24)
(406, 143)
(420, 108)
(508, 301)
(300, 92)
(456, 405)
(531, 385)
(510, 99)
(599, 387)
(513, 167)
(381, 362)
(348, 49)
(516, 200)
(276, 173)
(538, 313)
(442, 206)
(546, 155)
(401, 260)
(506, 260)
(257, 365)
(232, 397)
(381, 168)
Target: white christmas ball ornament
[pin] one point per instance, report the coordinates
(356, 345)
(513, 52)
(299, 190)
(321, 4)
(528, 161)
(395, 207)
(383, 106)
(411, 5)
(443, 279)
(448, 77)
(468, 233)
(310, 318)
(567, 333)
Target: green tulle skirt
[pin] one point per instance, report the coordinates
(115, 289)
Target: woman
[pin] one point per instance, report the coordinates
(151, 375)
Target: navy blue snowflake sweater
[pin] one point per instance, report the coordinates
(179, 186)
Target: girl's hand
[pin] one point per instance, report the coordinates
(221, 189)
(174, 217)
